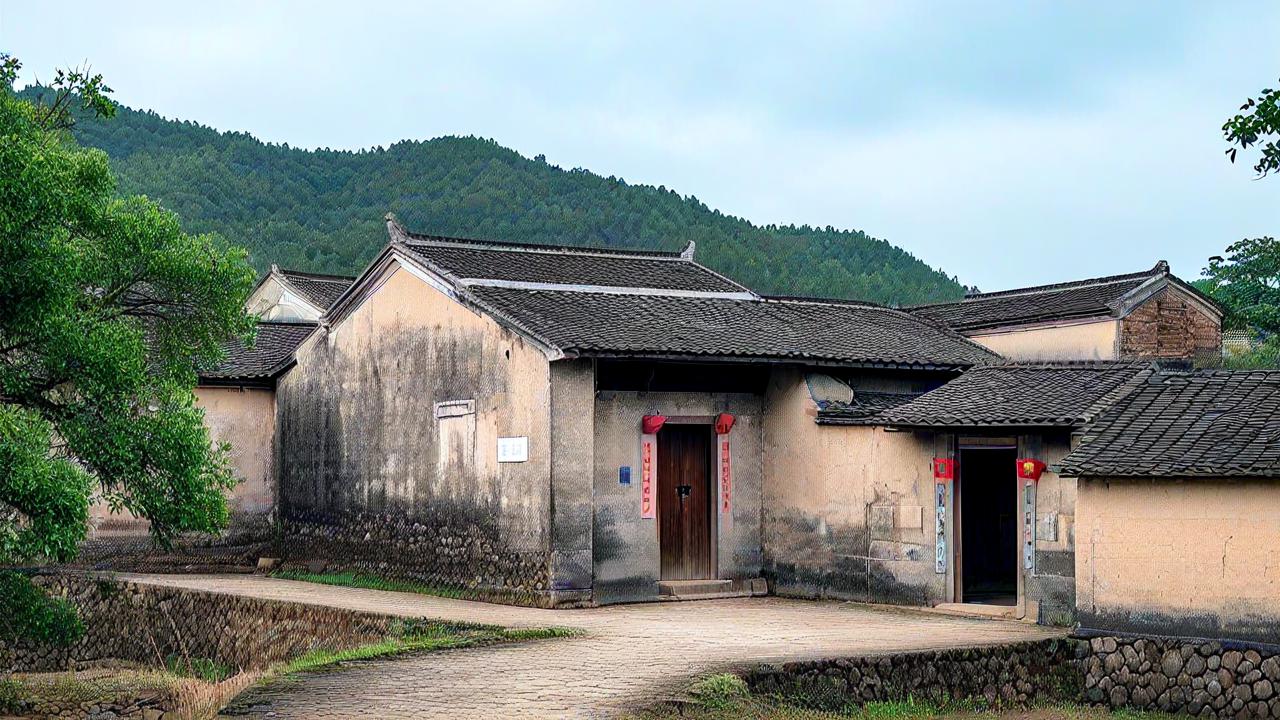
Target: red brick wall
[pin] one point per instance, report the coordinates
(1170, 324)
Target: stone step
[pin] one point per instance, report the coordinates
(1003, 612)
(711, 589)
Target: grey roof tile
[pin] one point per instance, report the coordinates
(593, 323)
(1063, 301)
(271, 352)
(467, 259)
(863, 409)
(1201, 424)
(1060, 394)
(319, 290)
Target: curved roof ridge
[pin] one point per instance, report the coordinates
(1160, 268)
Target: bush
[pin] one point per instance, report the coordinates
(719, 691)
(27, 612)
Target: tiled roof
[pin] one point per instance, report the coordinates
(319, 290)
(1063, 301)
(270, 355)
(515, 263)
(1202, 424)
(863, 409)
(594, 323)
(1063, 394)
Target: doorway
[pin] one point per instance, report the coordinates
(685, 502)
(987, 504)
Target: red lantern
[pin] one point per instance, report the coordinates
(1029, 469)
(944, 468)
(651, 424)
(724, 423)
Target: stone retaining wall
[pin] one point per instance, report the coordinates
(453, 552)
(1186, 677)
(149, 624)
(1017, 674)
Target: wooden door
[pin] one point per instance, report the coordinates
(685, 502)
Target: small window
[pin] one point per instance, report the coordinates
(455, 408)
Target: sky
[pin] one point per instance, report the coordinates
(1008, 143)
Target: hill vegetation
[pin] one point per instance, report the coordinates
(321, 210)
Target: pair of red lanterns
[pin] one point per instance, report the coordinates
(1028, 469)
(651, 424)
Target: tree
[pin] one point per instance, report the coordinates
(1247, 283)
(109, 309)
(1257, 124)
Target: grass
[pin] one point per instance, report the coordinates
(726, 697)
(370, 582)
(206, 669)
(419, 637)
(197, 676)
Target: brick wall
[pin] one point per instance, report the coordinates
(1170, 324)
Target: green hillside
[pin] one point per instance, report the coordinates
(322, 210)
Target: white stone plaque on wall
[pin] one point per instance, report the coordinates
(513, 449)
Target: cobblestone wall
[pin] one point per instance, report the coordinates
(1176, 676)
(149, 624)
(1005, 675)
(452, 552)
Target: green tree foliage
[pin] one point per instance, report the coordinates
(109, 309)
(322, 210)
(1258, 124)
(1247, 283)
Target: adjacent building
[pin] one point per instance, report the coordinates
(1151, 314)
(1178, 509)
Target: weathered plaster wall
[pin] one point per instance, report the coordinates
(375, 477)
(572, 465)
(1094, 340)
(241, 417)
(625, 546)
(1171, 324)
(245, 418)
(272, 301)
(1191, 558)
(1049, 586)
(848, 511)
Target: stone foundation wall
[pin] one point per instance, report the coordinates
(1005, 675)
(450, 552)
(1185, 677)
(149, 624)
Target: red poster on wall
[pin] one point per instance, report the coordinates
(648, 458)
(726, 479)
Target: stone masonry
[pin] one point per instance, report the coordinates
(1017, 674)
(150, 624)
(1206, 679)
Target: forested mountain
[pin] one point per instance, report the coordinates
(322, 210)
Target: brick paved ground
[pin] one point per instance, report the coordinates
(631, 655)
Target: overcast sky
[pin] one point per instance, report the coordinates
(1008, 143)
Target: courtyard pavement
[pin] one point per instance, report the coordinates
(630, 655)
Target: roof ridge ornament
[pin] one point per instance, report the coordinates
(687, 252)
(398, 234)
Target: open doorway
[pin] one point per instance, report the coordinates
(987, 500)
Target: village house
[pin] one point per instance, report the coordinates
(563, 425)
(1151, 314)
(1178, 509)
(566, 426)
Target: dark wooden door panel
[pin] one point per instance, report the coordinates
(685, 502)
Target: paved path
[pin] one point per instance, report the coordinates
(630, 656)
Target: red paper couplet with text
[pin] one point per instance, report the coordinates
(648, 460)
(726, 478)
